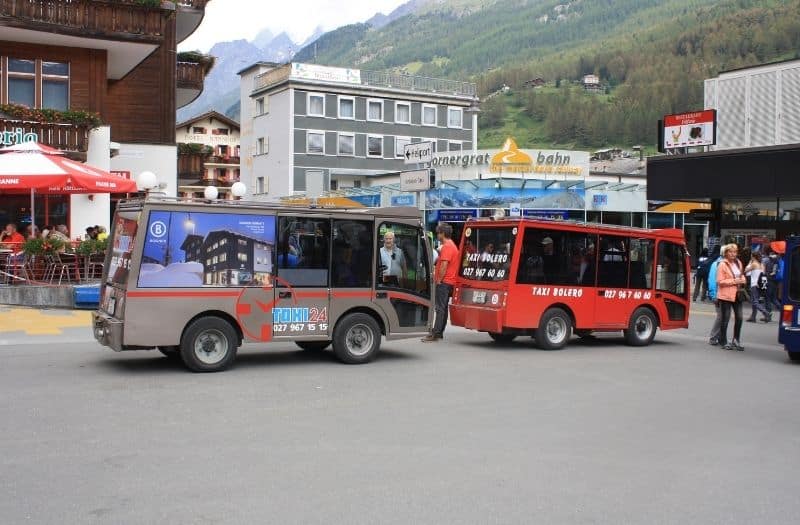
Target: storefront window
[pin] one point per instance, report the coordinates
(620, 218)
(660, 220)
(749, 210)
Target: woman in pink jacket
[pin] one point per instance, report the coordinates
(730, 279)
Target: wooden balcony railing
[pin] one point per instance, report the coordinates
(92, 17)
(66, 137)
(190, 75)
(217, 159)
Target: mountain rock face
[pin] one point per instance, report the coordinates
(221, 88)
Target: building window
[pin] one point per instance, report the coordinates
(259, 184)
(316, 105)
(38, 83)
(55, 85)
(400, 144)
(223, 257)
(346, 144)
(375, 110)
(315, 142)
(374, 146)
(261, 106)
(453, 146)
(356, 183)
(402, 113)
(196, 130)
(262, 146)
(347, 107)
(428, 115)
(334, 185)
(455, 117)
(219, 131)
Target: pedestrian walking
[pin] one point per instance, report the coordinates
(716, 258)
(701, 276)
(730, 291)
(771, 269)
(445, 273)
(758, 284)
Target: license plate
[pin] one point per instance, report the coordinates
(478, 297)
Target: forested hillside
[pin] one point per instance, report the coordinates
(650, 55)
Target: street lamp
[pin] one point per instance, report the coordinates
(211, 192)
(146, 181)
(238, 189)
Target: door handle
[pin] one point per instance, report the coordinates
(284, 295)
(381, 295)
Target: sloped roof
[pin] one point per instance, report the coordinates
(208, 115)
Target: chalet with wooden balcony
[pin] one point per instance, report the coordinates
(208, 154)
(115, 59)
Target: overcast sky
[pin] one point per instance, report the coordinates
(236, 19)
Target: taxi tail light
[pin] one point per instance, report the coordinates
(786, 318)
(505, 296)
(457, 294)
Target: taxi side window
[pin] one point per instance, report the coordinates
(402, 259)
(352, 254)
(303, 251)
(557, 257)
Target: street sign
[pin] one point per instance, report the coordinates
(416, 180)
(418, 152)
(514, 209)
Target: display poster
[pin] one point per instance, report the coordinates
(121, 245)
(185, 249)
(464, 194)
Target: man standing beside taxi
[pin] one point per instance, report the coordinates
(444, 276)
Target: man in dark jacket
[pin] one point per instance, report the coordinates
(701, 276)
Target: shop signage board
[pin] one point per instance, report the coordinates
(546, 214)
(698, 128)
(700, 215)
(416, 180)
(515, 209)
(407, 199)
(326, 73)
(17, 136)
(418, 153)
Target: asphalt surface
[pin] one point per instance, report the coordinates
(463, 431)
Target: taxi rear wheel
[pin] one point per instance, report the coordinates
(555, 329)
(209, 344)
(356, 339)
(502, 338)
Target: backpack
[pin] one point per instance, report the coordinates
(763, 281)
(779, 271)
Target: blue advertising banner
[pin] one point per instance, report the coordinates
(451, 215)
(465, 194)
(207, 249)
(546, 214)
(370, 201)
(406, 199)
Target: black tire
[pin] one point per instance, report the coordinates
(555, 329)
(502, 338)
(314, 346)
(356, 339)
(641, 327)
(209, 344)
(173, 352)
(794, 356)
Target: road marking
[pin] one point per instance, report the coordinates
(35, 322)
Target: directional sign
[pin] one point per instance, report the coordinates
(418, 152)
(417, 180)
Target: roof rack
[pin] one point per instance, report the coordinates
(571, 222)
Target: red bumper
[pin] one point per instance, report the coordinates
(477, 318)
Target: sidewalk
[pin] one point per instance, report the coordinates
(20, 325)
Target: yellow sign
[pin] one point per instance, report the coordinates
(511, 160)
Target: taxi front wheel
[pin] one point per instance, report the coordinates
(209, 345)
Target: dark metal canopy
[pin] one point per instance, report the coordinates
(752, 173)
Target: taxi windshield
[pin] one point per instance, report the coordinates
(486, 253)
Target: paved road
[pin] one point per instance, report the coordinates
(459, 432)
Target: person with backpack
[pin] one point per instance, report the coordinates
(716, 258)
(758, 284)
(701, 276)
(771, 271)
